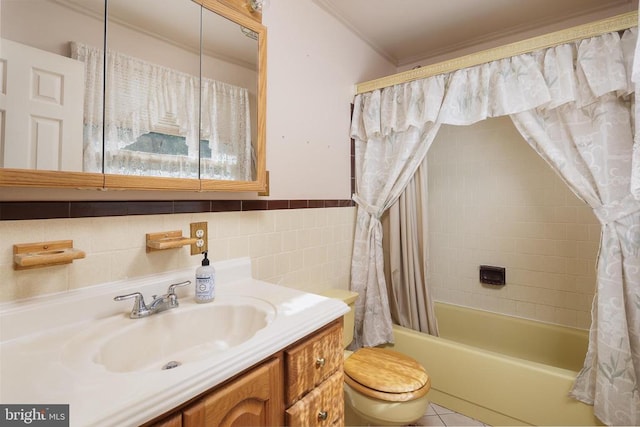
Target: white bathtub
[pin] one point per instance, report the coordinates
(500, 369)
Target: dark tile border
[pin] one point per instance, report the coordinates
(34, 210)
(85, 209)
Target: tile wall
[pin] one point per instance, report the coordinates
(308, 249)
(494, 201)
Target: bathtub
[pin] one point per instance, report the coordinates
(499, 369)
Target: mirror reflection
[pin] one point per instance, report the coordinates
(173, 106)
(228, 124)
(151, 91)
(42, 98)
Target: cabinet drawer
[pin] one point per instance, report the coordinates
(312, 361)
(323, 406)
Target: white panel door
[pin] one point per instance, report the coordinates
(41, 107)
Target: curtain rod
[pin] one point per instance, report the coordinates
(615, 23)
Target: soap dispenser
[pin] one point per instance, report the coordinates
(205, 281)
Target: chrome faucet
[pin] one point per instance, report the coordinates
(159, 303)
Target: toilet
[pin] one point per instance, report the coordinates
(381, 386)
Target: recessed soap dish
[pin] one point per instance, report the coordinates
(492, 275)
(44, 254)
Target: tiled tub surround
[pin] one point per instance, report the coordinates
(57, 348)
(493, 200)
(309, 249)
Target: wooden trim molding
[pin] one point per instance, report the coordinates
(128, 182)
(616, 23)
(50, 179)
(240, 6)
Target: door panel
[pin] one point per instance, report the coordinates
(42, 130)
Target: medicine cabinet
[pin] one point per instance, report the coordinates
(122, 94)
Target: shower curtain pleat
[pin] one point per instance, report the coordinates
(406, 246)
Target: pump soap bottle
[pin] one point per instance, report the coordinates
(205, 281)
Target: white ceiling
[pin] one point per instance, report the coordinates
(409, 31)
(176, 22)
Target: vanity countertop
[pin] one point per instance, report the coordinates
(49, 345)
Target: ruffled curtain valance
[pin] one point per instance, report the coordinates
(142, 97)
(541, 79)
(574, 104)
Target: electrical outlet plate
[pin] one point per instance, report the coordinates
(199, 231)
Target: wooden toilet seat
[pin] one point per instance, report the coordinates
(386, 375)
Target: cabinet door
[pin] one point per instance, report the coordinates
(254, 399)
(174, 420)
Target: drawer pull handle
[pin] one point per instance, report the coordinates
(323, 415)
(320, 361)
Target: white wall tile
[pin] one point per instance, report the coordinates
(302, 248)
(41, 281)
(238, 247)
(494, 201)
(218, 249)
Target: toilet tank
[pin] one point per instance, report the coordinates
(348, 298)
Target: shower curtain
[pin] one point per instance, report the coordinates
(406, 246)
(387, 155)
(573, 103)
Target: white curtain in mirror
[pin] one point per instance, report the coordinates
(93, 60)
(142, 97)
(225, 122)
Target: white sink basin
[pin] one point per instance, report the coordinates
(169, 339)
(81, 348)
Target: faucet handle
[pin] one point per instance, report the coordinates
(172, 288)
(171, 293)
(139, 308)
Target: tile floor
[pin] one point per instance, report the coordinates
(437, 415)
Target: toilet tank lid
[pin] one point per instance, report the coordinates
(348, 297)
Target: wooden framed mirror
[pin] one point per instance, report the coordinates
(249, 73)
(157, 105)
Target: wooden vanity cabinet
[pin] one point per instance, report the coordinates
(299, 386)
(254, 399)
